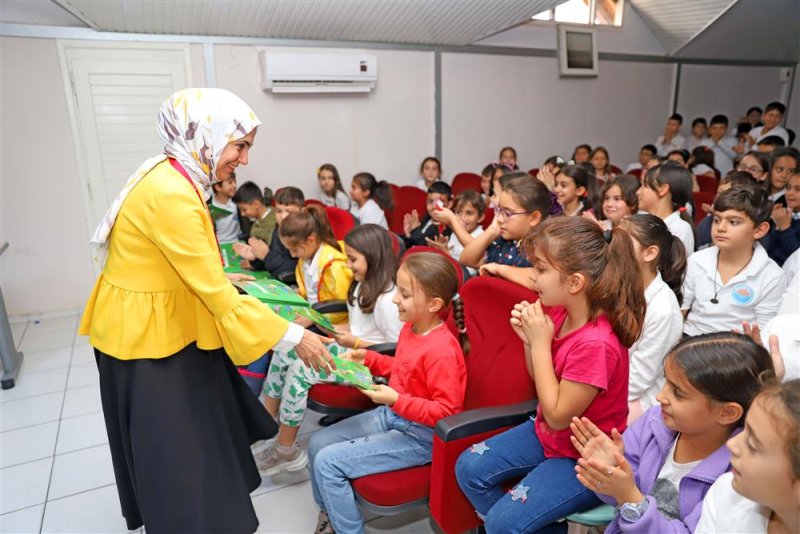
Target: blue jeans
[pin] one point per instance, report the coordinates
(372, 442)
(548, 492)
(255, 373)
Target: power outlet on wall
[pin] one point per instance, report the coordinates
(784, 74)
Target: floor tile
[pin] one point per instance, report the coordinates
(83, 354)
(81, 432)
(283, 480)
(25, 521)
(93, 511)
(272, 509)
(17, 331)
(31, 411)
(33, 384)
(47, 340)
(80, 471)
(24, 485)
(56, 324)
(81, 341)
(80, 401)
(26, 444)
(83, 375)
(45, 360)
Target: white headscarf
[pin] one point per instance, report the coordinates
(195, 125)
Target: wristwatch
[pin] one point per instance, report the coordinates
(633, 511)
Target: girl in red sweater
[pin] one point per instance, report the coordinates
(427, 382)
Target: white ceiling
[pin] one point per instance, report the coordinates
(44, 12)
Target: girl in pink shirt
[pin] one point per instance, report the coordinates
(576, 338)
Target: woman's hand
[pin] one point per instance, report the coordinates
(516, 321)
(537, 325)
(381, 394)
(592, 442)
(355, 356)
(305, 322)
(440, 243)
(260, 248)
(313, 352)
(617, 482)
(245, 251)
(239, 277)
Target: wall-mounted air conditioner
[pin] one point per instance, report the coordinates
(317, 72)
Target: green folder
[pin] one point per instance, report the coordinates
(290, 313)
(273, 292)
(229, 257)
(353, 373)
(217, 212)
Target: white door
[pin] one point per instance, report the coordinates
(115, 92)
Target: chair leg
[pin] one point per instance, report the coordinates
(328, 420)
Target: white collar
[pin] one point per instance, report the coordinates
(707, 260)
(265, 214)
(653, 288)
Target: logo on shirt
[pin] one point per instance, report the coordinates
(742, 294)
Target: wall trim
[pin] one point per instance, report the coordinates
(8, 29)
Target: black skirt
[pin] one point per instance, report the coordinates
(180, 430)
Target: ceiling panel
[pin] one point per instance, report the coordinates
(438, 22)
(42, 12)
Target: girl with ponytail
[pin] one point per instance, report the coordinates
(576, 353)
(662, 266)
(665, 192)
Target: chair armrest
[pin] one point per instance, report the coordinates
(482, 420)
(387, 349)
(331, 306)
(287, 278)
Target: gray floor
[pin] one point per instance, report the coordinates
(55, 466)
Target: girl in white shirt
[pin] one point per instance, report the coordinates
(665, 191)
(465, 222)
(662, 262)
(370, 197)
(330, 186)
(373, 319)
(761, 493)
(430, 171)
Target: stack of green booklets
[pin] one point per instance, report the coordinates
(284, 301)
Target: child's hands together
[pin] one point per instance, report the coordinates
(245, 251)
(439, 242)
(381, 394)
(355, 356)
(616, 481)
(516, 320)
(592, 442)
(537, 325)
(260, 248)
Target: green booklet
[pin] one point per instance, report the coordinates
(230, 259)
(353, 373)
(290, 313)
(273, 292)
(217, 212)
(258, 275)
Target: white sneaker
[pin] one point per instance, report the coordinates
(273, 460)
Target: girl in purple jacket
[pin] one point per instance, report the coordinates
(658, 472)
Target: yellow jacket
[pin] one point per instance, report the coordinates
(163, 286)
(335, 278)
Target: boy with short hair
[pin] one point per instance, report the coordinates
(784, 236)
(418, 232)
(721, 144)
(770, 144)
(646, 153)
(699, 133)
(734, 280)
(256, 205)
(227, 228)
(671, 139)
(772, 119)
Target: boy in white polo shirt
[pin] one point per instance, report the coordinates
(734, 280)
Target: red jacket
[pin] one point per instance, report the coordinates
(427, 371)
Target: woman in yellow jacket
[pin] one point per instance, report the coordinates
(165, 323)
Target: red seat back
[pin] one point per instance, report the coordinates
(534, 172)
(635, 172)
(708, 184)
(614, 169)
(341, 221)
(488, 217)
(422, 248)
(312, 201)
(466, 180)
(406, 198)
(701, 198)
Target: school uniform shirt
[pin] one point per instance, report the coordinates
(227, 228)
(724, 154)
(676, 143)
(682, 230)
(790, 301)
(785, 327)
(663, 326)
(421, 184)
(692, 142)
(428, 229)
(264, 227)
(753, 295)
(369, 213)
(506, 252)
(428, 372)
(633, 167)
(758, 133)
(456, 248)
(340, 200)
(725, 511)
(591, 355)
(383, 325)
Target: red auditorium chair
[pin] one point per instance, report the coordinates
(701, 198)
(341, 221)
(708, 184)
(466, 180)
(616, 170)
(500, 394)
(488, 217)
(635, 172)
(406, 198)
(313, 201)
(534, 172)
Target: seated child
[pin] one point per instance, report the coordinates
(576, 354)
(373, 319)
(427, 382)
(619, 200)
(659, 470)
(731, 180)
(760, 492)
(524, 203)
(646, 153)
(256, 205)
(370, 199)
(418, 232)
(227, 228)
(508, 157)
(465, 224)
(734, 280)
(581, 154)
(274, 258)
(662, 264)
(430, 171)
(575, 190)
(665, 191)
(784, 236)
(723, 145)
(784, 164)
(330, 187)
